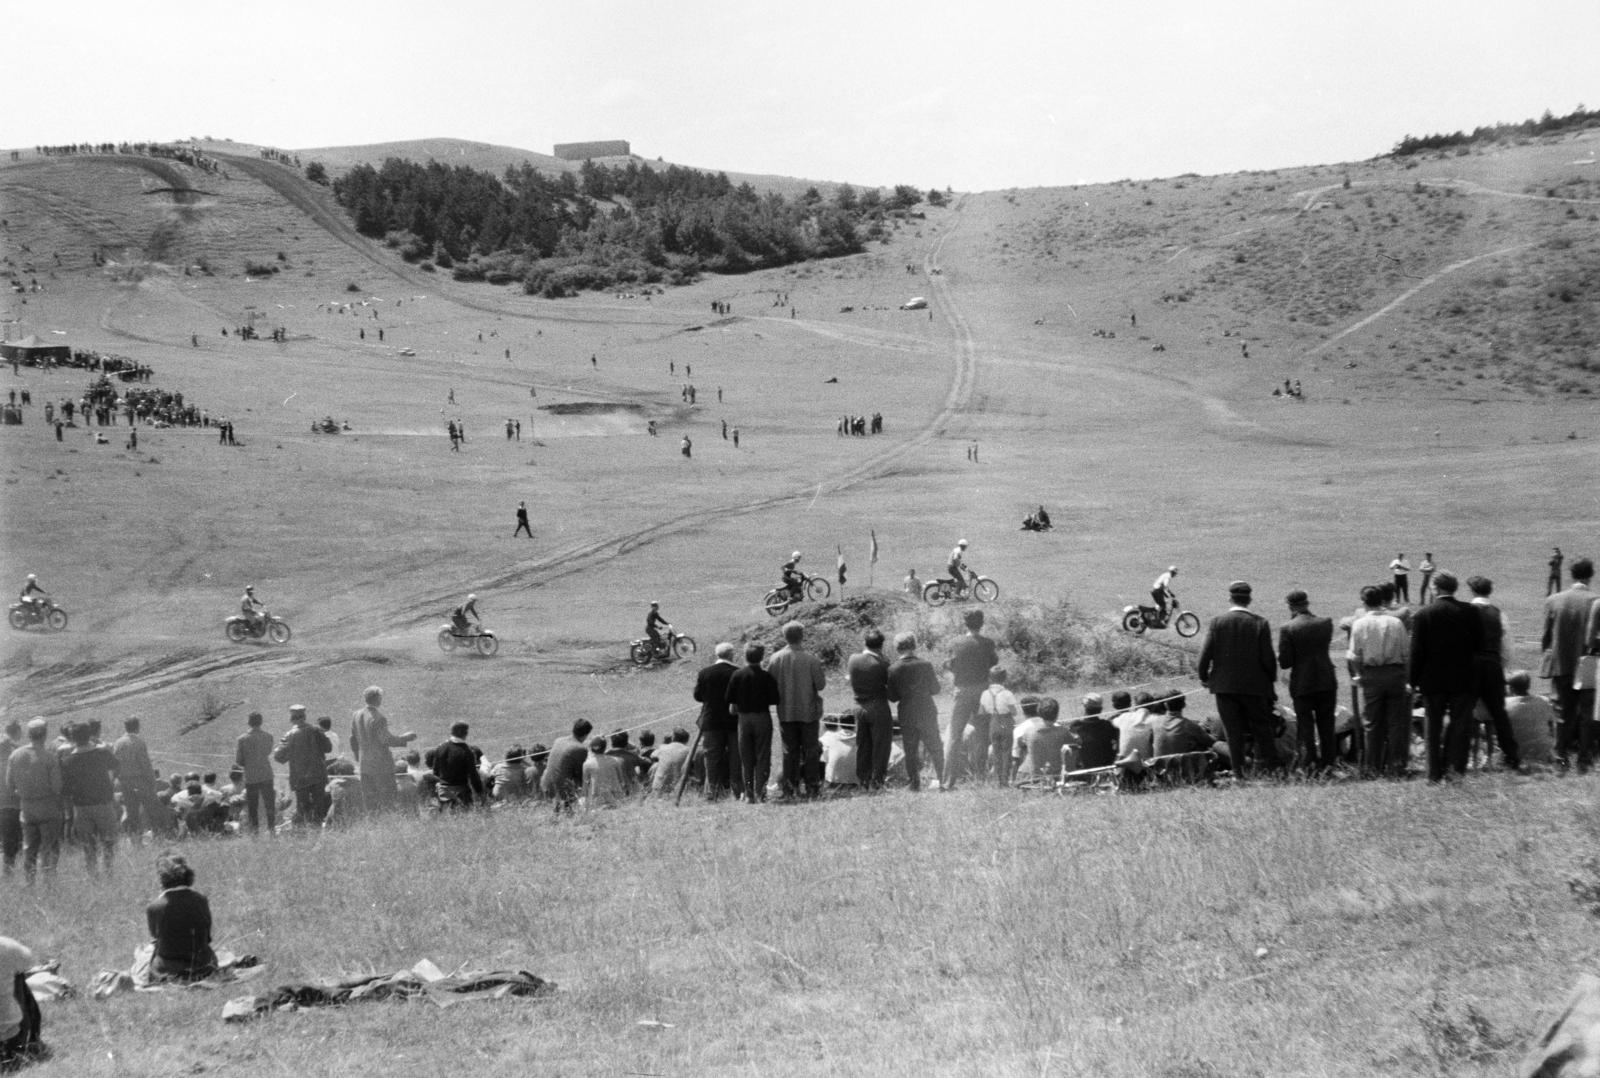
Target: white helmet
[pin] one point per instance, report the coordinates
(795, 556)
(962, 543)
(32, 578)
(1172, 569)
(249, 587)
(472, 598)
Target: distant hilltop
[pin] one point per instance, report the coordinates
(582, 151)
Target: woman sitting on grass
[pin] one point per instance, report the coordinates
(180, 924)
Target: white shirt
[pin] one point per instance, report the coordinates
(14, 959)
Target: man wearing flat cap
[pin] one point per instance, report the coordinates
(1238, 666)
(1303, 643)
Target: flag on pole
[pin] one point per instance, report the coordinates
(841, 564)
(874, 546)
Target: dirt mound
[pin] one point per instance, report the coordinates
(592, 408)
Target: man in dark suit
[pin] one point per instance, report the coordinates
(718, 730)
(1446, 636)
(1303, 644)
(1566, 615)
(1237, 665)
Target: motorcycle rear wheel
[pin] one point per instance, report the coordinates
(236, 631)
(1133, 621)
(935, 593)
(776, 601)
(639, 652)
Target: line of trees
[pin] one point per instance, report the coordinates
(605, 226)
(1547, 124)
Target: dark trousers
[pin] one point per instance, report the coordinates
(958, 757)
(1313, 720)
(1447, 731)
(915, 736)
(1247, 720)
(874, 739)
(755, 754)
(1576, 728)
(258, 801)
(1492, 694)
(1385, 720)
(1402, 587)
(723, 772)
(310, 805)
(10, 836)
(802, 757)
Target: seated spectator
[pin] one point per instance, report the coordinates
(534, 764)
(1136, 731)
(838, 751)
(1174, 732)
(346, 798)
(421, 776)
(635, 764)
(647, 747)
(180, 924)
(1096, 735)
(19, 1013)
(606, 779)
(670, 760)
(508, 779)
(1533, 720)
(1045, 746)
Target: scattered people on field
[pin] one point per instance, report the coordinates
(522, 521)
(1427, 569)
(1553, 581)
(1402, 577)
(913, 585)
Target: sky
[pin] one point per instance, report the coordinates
(973, 96)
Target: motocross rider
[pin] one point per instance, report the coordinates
(458, 617)
(652, 625)
(252, 608)
(956, 567)
(1161, 591)
(793, 579)
(31, 589)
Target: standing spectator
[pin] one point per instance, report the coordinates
(1237, 665)
(1494, 655)
(455, 765)
(1303, 643)
(88, 785)
(913, 685)
(800, 679)
(1427, 569)
(874, 725)
(522, 521)
(971, 659)
(999, 708)
(752, 692)
(1402, 577)
(1566, 619)
(34, 776)
(1532, 719)
(1553, 581)
(253, 752)
(305, 749)
(1446, 636)
(370, 742)
(719, 731)
(563, 774)
(137, 778)
(10, 807)
(325, 724)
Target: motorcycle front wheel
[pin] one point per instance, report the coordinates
(683, 647)
(1187, 624)
(56, 619)
(278, 632)
(986, 590)
(447, 640)
(488, 644)
(818, 589)
(18, 619)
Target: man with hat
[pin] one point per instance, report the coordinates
(1446, 636)
(1303, 644)
(33, 775)
(1238, 666)
(305, 749)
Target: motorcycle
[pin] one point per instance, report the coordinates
(239, 628)
(45, 612)
(1136, 618)
(672, 646)
(481, 640)
(780, 598)
(944, 589)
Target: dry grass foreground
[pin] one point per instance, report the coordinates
(1314, 930)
